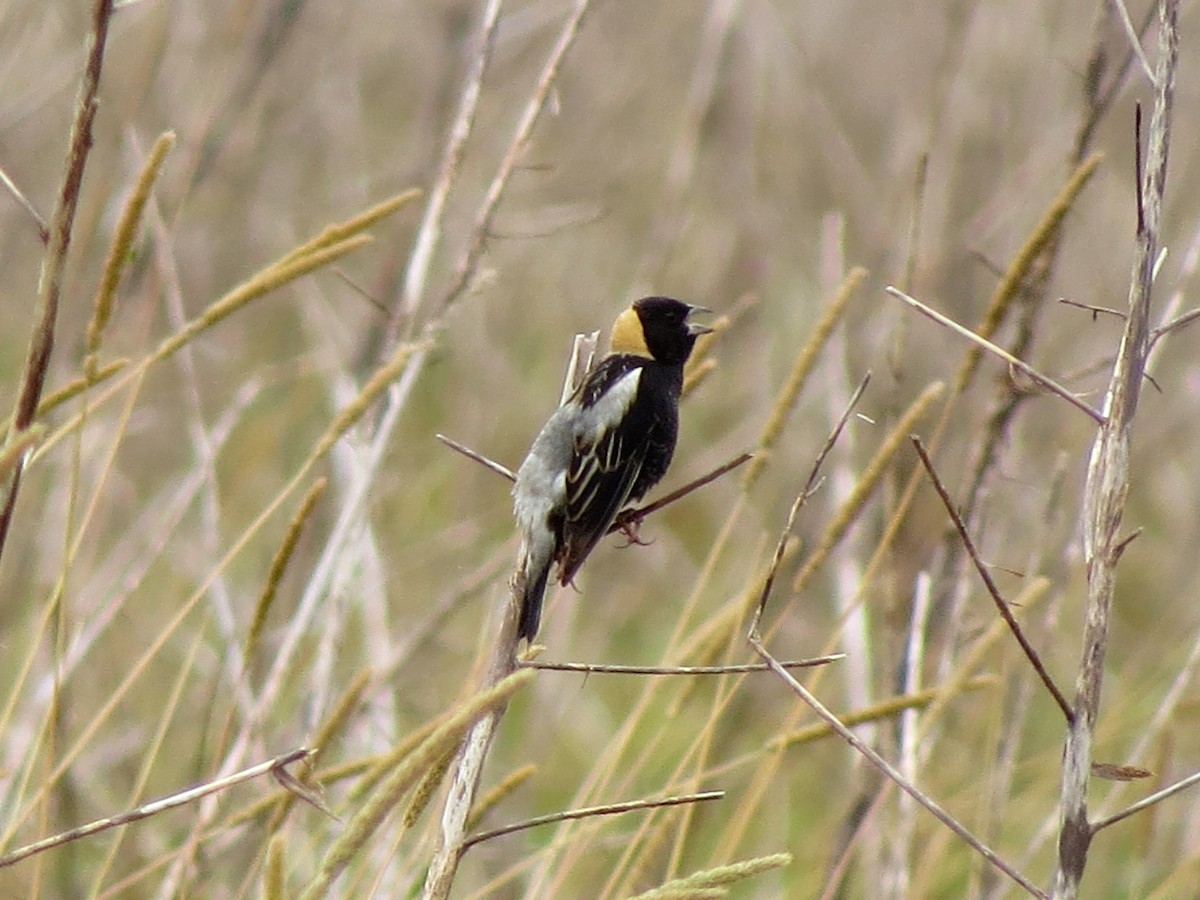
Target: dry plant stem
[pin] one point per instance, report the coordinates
(19, 444)
(605, 669)
(1135, 42)
(430, 230)
(628, 515)
(583, 353)
(1108, 476)
(1178, 322)
(54, 261)
(38, 221)
(638, 513)
(1094, 310)
(891, 708)
(899, 845)
(469, 260)
(149, 809)
(468, 766)
(486, 462)
(998, 352)
(809, 487)
(980, 567)
(1147, 802)
(408, 771)
(868, 480)
(608, 809)
(888, 770)
(681, 166)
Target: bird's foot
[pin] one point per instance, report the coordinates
(629, 527)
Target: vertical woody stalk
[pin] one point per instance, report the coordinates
(1108, 476)
(55, 259)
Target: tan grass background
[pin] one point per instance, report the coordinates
(739, 155)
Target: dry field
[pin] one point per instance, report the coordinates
(236, 534)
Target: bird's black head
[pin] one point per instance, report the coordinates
(658, 327)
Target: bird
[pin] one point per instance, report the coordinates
(609, 444)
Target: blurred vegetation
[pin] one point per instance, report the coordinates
(742, 156)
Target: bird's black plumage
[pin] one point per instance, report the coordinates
(606, 446)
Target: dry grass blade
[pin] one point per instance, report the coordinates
(18, 445)
(339, 233)
(428, 235)
(326, 736)
(802, 367)
(468, 261)
(376, 808)
(122, 244)
(883, 710)
(722, 875)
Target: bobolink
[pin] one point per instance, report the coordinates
(605, 447)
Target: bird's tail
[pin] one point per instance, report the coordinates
(535, 572)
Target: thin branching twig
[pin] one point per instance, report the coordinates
(146, 810)
(892, 773)
(1146, 802)
(611, 669)
(607, 809)
(999, 352)
(1002, 605)
(810, 486)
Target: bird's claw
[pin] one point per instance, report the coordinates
(629, 528)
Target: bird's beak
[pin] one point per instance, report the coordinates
(695, 328)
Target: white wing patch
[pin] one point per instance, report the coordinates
(611, 407)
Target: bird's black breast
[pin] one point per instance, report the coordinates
(653, 416)
(658, 398)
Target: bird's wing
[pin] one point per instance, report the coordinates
(598, 485)
(605, 464)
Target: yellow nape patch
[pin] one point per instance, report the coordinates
(627, 335)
